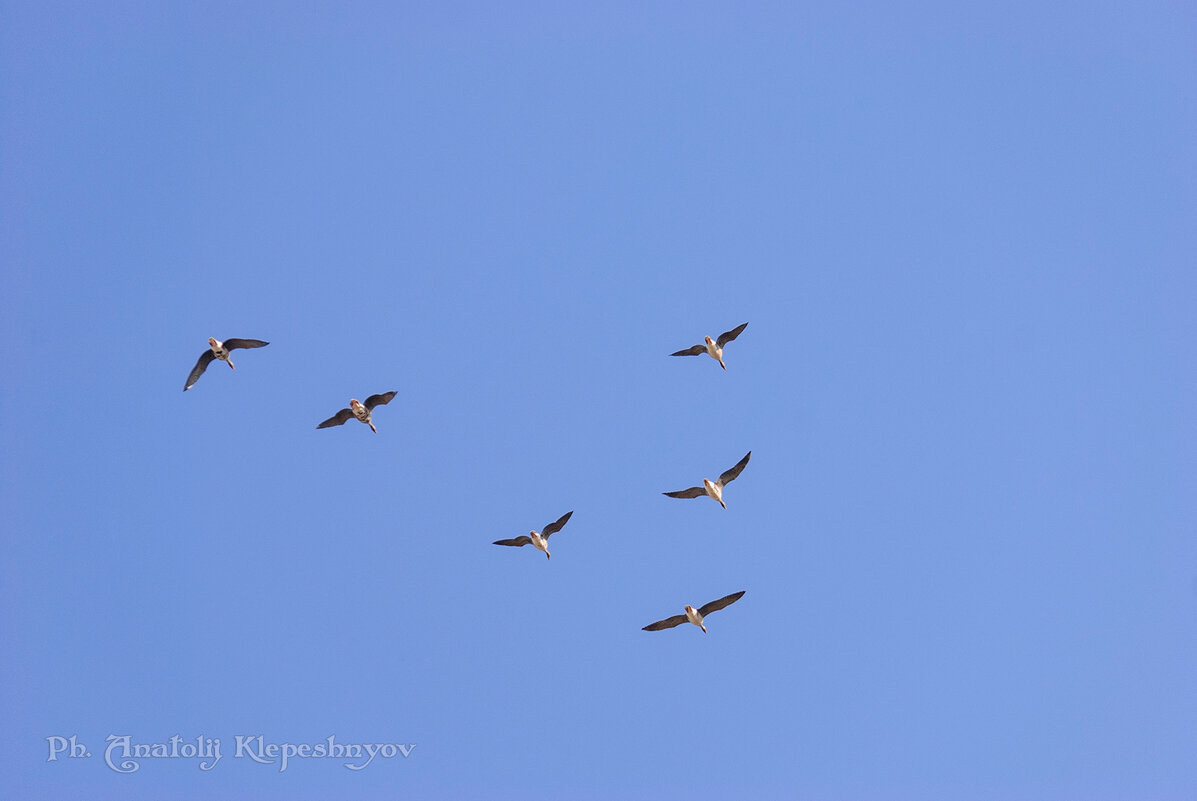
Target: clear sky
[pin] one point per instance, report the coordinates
(964, 236)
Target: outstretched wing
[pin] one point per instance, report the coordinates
(667, 623)
(715, 606)
(693, 492)
(728, 476)
(337, 419)
(694, 351)
(204, 360)
(518, 541)
(553, 528)
(728, 336)
(379, 400)
(233, 344)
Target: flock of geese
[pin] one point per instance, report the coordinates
(220, 351)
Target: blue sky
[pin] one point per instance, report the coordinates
(963, 240)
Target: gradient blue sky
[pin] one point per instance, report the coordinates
(963, 236)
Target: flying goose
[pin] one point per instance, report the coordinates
(539, 540)
(713, 347)
(713, 488)
(359, 410)
(695, 616)
(219, 350)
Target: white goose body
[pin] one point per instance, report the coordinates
(715, 352)
(715, 490)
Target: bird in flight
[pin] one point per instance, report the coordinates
(713, 488)
(695, 616)
(713, 347)
(539, 540)
(359, 410)
(219, 350)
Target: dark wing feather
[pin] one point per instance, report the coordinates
(727, 476)
(337, 419)
(204, 360)
(667, 623)
(379, 400)
(233, 344)
(694, 351)
(553, 528)
(728, 336)
(518, 541)
(693, 492)
(715, 606)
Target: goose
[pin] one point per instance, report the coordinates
(695, 616)
(713, 488)
(539, 540)
(713, 347)
(219, 350)
(359, 410)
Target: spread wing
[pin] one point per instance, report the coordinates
(728, 336)
(693, 492)
(730, 475)
(694, 351)
(715, 606)
(379, 400)
(553, 528)
(233, 344)
(518, 541)
(337, 419)
(204, 360)
(667, 623)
